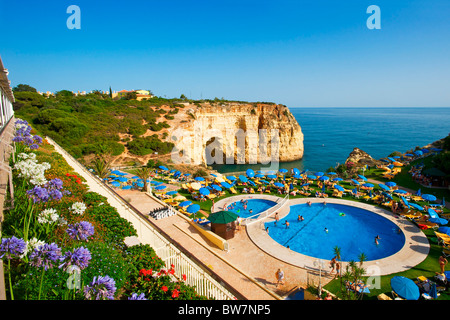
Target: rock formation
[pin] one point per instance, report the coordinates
(359, 158)
(232, 133)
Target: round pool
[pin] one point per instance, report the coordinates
(325, 227)
(246, 208)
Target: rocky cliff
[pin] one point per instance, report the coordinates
(232, 133)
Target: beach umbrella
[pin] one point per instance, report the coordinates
(163, 168)
(179, 198)
(278, 184)
(226, 185)
(432, 213)
(391, 159)
(222, 217)
(440, 221)
(409, 155)
(428, 197)
(319, 174)
(324, 178)
(259, 175)
(337, 179)
(250, 173)
(433, 291)
(199, 179)
(231, 178)
(297, 176)
(338, 187)
(405, 201)
(265, 181)
(332, 173)
(362, 177)
(126, 187)
(187, 174)
(193, 208)
(116, 172)
(243, 178)
(251, 182)
(115, 184)
(310, 176)
(171, 193)
(384, 187)
(419, 192)
(156, 183)
(445, 230)
(160, 187)
(390, 184)
(196, 185)
(204, 191)
(355, 182)
(122, 179)
(283, 170)
(400, 191)
(271, 176)
(216, 187)
(368, 185)
(185, 203)
(416, 206)
(418, 153)
(296, 171)
(405, 288)
(387, 195)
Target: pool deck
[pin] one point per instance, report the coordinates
(414, 251)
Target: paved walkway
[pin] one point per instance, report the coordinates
(245, 266)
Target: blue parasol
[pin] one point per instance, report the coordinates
(319, 174)
(193, 208)
(338, 187)
(416, 206)
(384, 187)
(115, 184)
(283, 170)
(216, 187)
(279, 185)
(271, 176)
(160, 187)
(226, 185)
(400, 191)
(259, 175)
(362, 177)
(428, 197)
(296, 171)
(171, 193)
(231, 178)
(204, 191)
(163, 168)
(337, 179)
(185, 203)
(368, 185)
(355, 182)
(324, 178)
(405, 288)
(310, 176)
(390, 184)
(250, 173)
(199, 179)
(243, 178)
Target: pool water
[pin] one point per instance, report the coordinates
(351, 229)
(256, 205)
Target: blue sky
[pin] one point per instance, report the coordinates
(299, 53)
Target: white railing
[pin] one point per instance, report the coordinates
(259, 216)
(196, 276)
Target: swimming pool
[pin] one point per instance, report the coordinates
(255, 205)
(351, 229)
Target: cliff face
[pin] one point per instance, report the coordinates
(238, 133)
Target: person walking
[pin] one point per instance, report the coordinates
(280, 277)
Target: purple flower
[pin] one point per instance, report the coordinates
(18, 138)
(79, 257)
(37, 139)
(38, 194)
(80, 231)
(45, 255)
(135, 296)
(12, 247)
(101, 288)
(56, 183)
(34, 146)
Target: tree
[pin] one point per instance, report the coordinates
(144, 174)
(23, 88)
(102, 165)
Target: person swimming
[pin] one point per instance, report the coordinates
(326, 230)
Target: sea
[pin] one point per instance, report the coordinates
(330, 134)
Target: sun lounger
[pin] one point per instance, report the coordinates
(233, 190)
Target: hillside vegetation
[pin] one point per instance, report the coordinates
(95, 123)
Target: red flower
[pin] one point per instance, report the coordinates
(164, 288)
(184, 277)
(175, 293)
